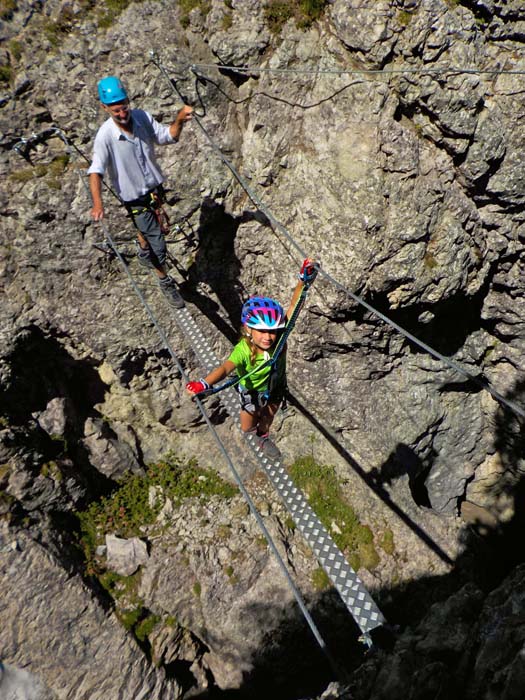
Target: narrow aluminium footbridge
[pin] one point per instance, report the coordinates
(353, 593)
(351, 589)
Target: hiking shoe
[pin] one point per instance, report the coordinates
(170, 291)
(268, 448)
(144, 256)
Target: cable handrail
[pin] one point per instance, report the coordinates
(362, 71)
(278, 226)
(236, 476)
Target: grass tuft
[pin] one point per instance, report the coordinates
(305, 13)
(322, 488)
(129, 508)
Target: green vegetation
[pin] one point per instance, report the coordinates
(186, 6)
(51, 470)
(387, 542)
(105, 13)
(277, 13)
(7, 7)
(22, 175)
(223, 531)
(53, 172)
(15, 49)
(120, 586)
(6, 501)
(429, 260)
(260, 542)
(145, 627)
(324, 494)
(5, 470)
(320, 580)
(128, 508)
(305, 12)
(125, 512)
(230, 573)
(290, 523)
(404, 17)
(139, 621)
(6, 73)
(109, 10)
(58, 28)
(129, 607)
(129, 618)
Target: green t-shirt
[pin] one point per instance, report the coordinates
(240, 356)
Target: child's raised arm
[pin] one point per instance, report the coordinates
(307, 274)
(213, 377)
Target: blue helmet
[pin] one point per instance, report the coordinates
(263, 314)
(111, 91)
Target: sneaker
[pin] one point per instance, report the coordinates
(144, 257)
(269, 448)
(170, 291)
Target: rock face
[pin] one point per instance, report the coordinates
(404, 177)
(53, 625)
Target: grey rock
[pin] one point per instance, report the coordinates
(53, 418)
(124, 556)
(501, 640)
(92, 654)
(111, 456)
(408, 187)
(18, 684)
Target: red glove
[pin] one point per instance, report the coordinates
(308, 270)
(197, 387)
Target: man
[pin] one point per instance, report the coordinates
(124, 146)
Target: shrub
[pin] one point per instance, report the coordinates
(6, 73)
(305, 12)
(7, 8)
(324, 494)
(320, 579)
(387, 542)
(128, 508)
(186, 6)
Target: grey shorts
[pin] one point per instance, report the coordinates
(148, 225)
(252, 401)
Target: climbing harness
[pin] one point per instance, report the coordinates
(152, 201)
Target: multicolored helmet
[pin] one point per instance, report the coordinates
(263, 314)
(111, 91)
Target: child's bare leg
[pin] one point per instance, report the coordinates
(248, 421)
(266, 417)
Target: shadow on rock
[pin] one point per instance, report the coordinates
(217, 264)
(460, 634)
(289, 664)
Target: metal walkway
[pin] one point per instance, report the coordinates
(348, 584)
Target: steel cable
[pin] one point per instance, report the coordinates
(276, 225)
(236, 476)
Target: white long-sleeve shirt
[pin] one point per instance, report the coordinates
(130, 159)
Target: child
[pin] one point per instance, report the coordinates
(262, 321)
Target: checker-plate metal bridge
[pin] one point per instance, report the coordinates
(351, 589)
